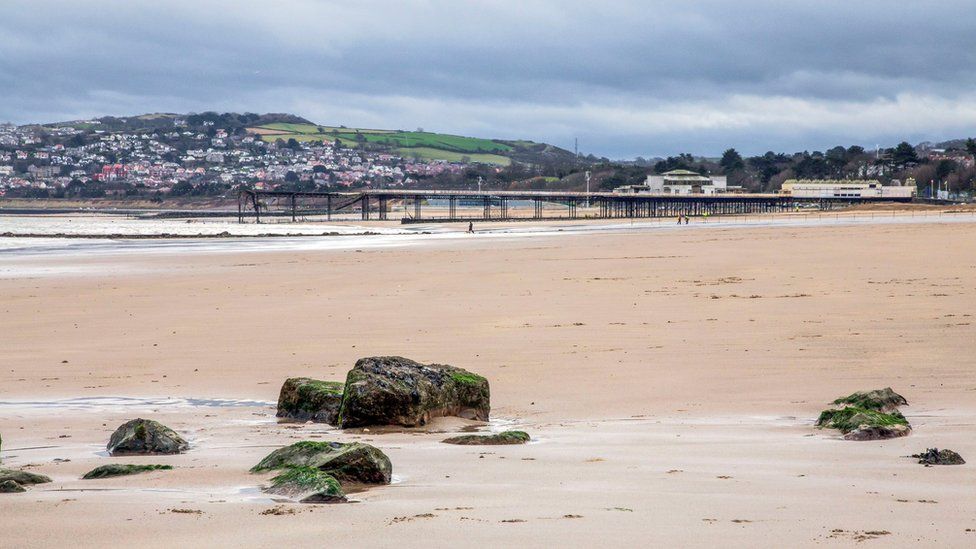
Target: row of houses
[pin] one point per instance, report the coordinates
(162, 159)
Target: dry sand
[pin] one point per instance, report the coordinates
(670, 380)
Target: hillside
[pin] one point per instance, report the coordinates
(161, 121)
(419, 144)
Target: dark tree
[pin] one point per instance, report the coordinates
(944, 168)
(731, 161)
(183, 188)
(904, 155)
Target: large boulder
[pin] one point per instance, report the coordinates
(392, 390)
(121, 470)
(22, 477)
(307, 485)
(347, 462)
(145, 436)
(934, 456)
(884, 400)
(308, 399)
(496, 439)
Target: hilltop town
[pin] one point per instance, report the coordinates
(161, 156)
(193, 156)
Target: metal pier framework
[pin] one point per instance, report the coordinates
(430, 206)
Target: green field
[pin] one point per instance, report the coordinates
(427, 153)
(391, 138)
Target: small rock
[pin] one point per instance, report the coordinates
(307, 399)
(11, 487)
(884, 400)
(505, 437)
(347, 462)
(307, 485)
(121, 469)
(865, 424)
(145, 436)
(934, 456)
(22, 477)
(877, 432)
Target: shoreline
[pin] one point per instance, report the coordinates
(669, 379)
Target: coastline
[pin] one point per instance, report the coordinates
(670, 379)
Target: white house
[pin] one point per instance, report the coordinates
(679, 182)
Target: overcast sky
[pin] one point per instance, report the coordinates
(627, 78)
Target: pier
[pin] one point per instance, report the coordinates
(433, 206)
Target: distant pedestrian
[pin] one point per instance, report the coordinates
(679, 220)
(686, 220)
(470, 226)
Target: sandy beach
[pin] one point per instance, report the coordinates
(669, 378)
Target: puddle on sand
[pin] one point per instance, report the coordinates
(494, 425)
(227, 494)
(102, 403)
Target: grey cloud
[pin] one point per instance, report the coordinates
(508, 68)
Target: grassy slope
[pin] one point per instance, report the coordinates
(427, 153)
(426, 145)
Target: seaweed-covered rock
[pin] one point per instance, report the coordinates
(862, 424)
(392, 390)
(347, 462)
(934, 456)
(307, 399)
(884, 400)
(505, 437)
(145, 436)
(11, 487)
(121, 470)
(22, 477)
(307, 485)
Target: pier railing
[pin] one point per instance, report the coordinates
(427, 206)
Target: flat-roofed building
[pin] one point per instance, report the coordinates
(845, 188)
(679, 182)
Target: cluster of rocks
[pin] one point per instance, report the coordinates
(13, 481)
(139, 436)
(867, 415)
(377, 391)
(387, 390)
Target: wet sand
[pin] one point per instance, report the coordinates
(670, 380)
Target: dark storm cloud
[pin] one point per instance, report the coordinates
(628, 78)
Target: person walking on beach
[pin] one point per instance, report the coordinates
(686, 220)
(679, 220)
(470, 226)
